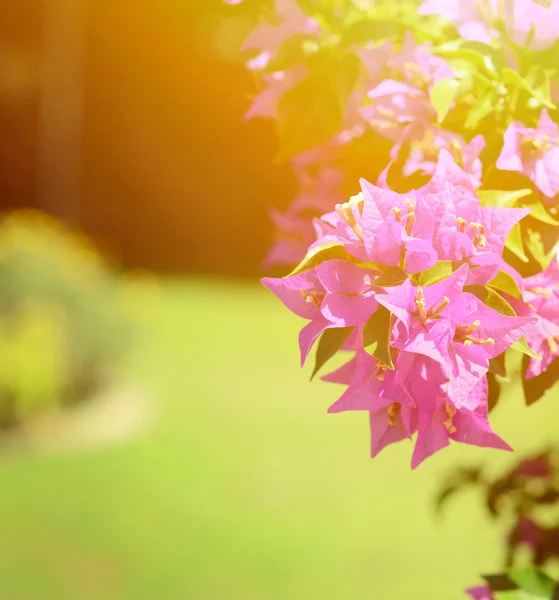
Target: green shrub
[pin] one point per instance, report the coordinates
(62, 327)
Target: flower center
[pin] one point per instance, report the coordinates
(385, 112)
(536, 146)
(433, 312)
(416, 75)
(394, 411)
(410, 215)
(464, 335)
(313, 297)
(380, 369)
(479, 240)
(347, 213)
(420, 304)
(539, 291)
(410, 221)
(450, 411)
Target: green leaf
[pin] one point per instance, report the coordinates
(493, 389)
(515, 244)
(539, 79)
(536, 584)
(504, 282)
(442, 96)
(330, 342)
(365, 30)
(512, 77)
(498, 583)
(319, 254)
(342, 73)
(522, 346)
(308, 115)
(390, 277)
(440, 271)
(376, 336)
(312, 112)
(484, 106)
(293, 50)
(535, 245)
(492, 57)
(477, 59)
(492, 299)
(507, 199)
(504, 198)
(498, 365)
(540, 213)
(535, 387)
(511, 595)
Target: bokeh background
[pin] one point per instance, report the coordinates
(181, 454)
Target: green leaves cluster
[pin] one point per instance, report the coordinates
(484, 91)
(488, 88)
(522, 584)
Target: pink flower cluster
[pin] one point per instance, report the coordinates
(392, 98)
(421, 337)
(399, 106)
(534, 153)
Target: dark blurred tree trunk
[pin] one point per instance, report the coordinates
(170, 177)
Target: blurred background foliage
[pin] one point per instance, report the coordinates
(61, 325)
(161, 146)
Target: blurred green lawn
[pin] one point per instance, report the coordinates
(245, 487)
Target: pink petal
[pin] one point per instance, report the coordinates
(310, 333)
(510, 158)
(348, 311)
(548, 127)
(383, 434)
(547, 173)
(290, 291)
(420, 255)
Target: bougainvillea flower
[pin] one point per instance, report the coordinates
(541, 292)
(302, 294)
(373, 386)
(392, 234)
(374, 250)
(533, 152)
(349, 299)
(321, 191)
(400, 107)
(294, 231)
(439, 421)
(453, 328)
(293, 235)
(276, 84)
(398, 420)
(462, 230)
(287, 21)
(481, 592)
(399, 112)
(391, 424)
(424, 153)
